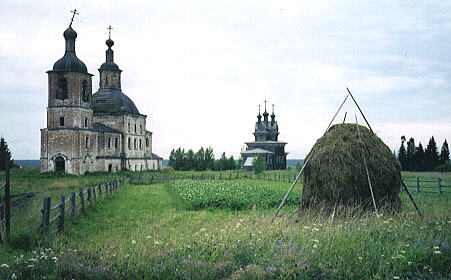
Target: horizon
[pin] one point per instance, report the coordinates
(198, 70)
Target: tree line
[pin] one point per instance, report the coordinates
(416, 158)
(5, 153)
(201, 160)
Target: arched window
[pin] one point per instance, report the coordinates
(86, 122)
(134, 145)
(61, 89)
(129, 143)
(135, 128)
(147, 142)
(140, 144)
(84, 91)
(140, 129)
(61, 121)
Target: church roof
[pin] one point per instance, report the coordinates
(100, 127)
(114, 101)
(257, 151)
(70, 61)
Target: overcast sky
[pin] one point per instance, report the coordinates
(198, 69)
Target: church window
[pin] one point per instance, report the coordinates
(134, 144)
(84, 91)
(116, 142)
(109, 142)
(86, 122)
(129, 143)
(87, 142)
(61, 89)
(140, 129)
(128, 127)
(61, 121)
(135, 127)
(141, 167)
(147, 142)
(140, 144)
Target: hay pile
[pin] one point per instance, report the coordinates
(336, 176)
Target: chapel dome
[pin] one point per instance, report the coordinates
(113, 101)
(70, 61)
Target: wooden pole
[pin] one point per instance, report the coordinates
(62, 213)
(439, 186)
(73, 204)
(82, 199)
(94, 192)
(7, 198)
(89, 196)
(305, 164)
(363, 115)
(100, 191)
(411, 198)
(45, 215)
(366, 166)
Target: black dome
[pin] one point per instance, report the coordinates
(70, 61)
(112, 101)
(108, 66)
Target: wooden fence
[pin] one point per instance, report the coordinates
(80, 200)
(429, 186)
(155, 179)
(5, 205)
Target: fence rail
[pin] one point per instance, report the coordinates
(93, 193)
(440, 187)
(155, 179)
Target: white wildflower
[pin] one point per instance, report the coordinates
(5, 265)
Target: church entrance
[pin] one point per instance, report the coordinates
(110, 167)
(60, 165)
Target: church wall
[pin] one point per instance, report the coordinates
(74, 88)
(113, 121)
(73, 117)
(106, 144)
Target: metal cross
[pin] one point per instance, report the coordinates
(74, 13)
(109, 31)
(273, 109)
(259, 109)
(265, 105)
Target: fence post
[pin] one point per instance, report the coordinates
(82, 199)
(151, 179)
(7, 203)
(418, 184)
(46, 215)
(62, 213)
(111, 188)
(100, 190)
(72, 204)
(283, 177)
(89, 195)
(439, 186)
(94, 192)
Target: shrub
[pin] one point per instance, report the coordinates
(167, 169)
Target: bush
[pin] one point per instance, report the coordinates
(444, 167)
(167, 169)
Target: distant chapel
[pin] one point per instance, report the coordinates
(266, 144)
(89, 132)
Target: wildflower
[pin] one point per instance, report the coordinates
(80, 264)
(436, 247)
(4, 265)
(395, 277)
(133, 241)
(13, 276)
(275, 254)
(33, 260)
(148, 237)
(31, 265)
(335, 270)
(437, 252)
(360, 258)
(403, 252)
(271, 268)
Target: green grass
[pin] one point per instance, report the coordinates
(144, 231)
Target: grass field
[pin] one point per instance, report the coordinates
(151, 232)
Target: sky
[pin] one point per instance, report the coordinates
(199, 69)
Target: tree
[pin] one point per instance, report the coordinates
(209, 158)
(444, 153)
(239, 164)
(4, 154)
(419, 158)
(431, 155)
(410, 154)
(190, 162)
(259, 165)
(298, 166)
(200, 159)
(402, 154)
(231, 163)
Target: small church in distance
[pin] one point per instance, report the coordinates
(89, 132)
(266, 144)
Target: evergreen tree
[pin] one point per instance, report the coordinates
(4, 154)
(172, 158)
(239, 164)
(431, 155)
(419, 158)
(179, 159)
(402, 154)
(190, 162)
(410, 157)
(209, 158)
(200, 159)
(231, 163)
(444, 153)
(259, 165)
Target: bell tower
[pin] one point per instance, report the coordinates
(67, 140)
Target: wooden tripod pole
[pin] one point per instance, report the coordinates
(366, 166)
(411, 198)
(304, 165)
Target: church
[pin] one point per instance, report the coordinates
(266, 144)
(89, 132)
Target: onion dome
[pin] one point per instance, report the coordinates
(70, 61)
(109, 63)
(113, 101)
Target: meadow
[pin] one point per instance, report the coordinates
(221, 230)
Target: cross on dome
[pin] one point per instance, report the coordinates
(72, 19)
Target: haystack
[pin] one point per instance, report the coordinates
(336, 175)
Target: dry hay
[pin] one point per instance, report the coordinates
(336, 176)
